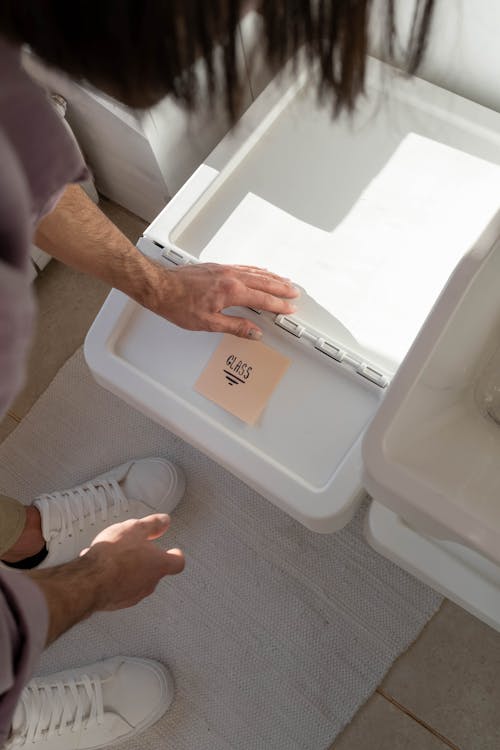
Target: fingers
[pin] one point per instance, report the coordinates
(265, 292)
(267, 301)
(152, 527)
(262, 280)
(241, 327)
(261, 272)
(270, 283)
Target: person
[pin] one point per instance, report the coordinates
(73, 562)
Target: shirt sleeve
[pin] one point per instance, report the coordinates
(24, 621)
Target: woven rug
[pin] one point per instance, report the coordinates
(275, 635)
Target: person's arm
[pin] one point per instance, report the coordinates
(80, 235)
(121, 567)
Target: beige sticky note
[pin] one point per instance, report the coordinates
(241, 376)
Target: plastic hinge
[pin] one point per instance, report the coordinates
(368, 372)
(289, 325)
(331, 350)
(169, 253)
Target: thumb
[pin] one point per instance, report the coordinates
(241, 327)
(176, 560)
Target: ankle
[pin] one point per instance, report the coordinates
(31, 541)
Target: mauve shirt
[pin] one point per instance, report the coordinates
(38, 158)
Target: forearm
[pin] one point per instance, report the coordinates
(73, 592)
(191, 296)
(77, 233)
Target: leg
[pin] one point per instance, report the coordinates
(58, 525)
(117, 698)
(20, 530)
(23, 631)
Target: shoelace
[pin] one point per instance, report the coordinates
(81, 504)
(59, 707)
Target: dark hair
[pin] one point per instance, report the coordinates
(141, 50)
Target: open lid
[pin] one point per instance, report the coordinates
(369, 283)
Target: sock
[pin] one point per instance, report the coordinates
(30, 562)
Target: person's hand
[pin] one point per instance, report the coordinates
(194, 296)
(130, 565)
(121, 567)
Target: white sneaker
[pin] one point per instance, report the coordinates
(91, 707)
(72, 518)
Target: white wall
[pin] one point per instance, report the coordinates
(463, 54)
(464, 50)
(141, 162)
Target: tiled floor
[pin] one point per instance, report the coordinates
(443, 693)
